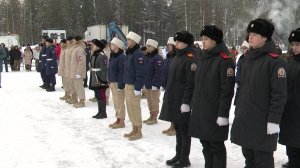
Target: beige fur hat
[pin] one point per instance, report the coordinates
(133, 36)
(118, 43)
(152, 43)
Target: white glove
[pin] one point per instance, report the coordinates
(137, 93)
(272, 128)
(185, 108)
(154, 88)
(78, 76)
(162, 89)
(222, 121)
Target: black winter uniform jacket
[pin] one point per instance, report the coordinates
(180, 86)
(290, 123)
(262, 97)
(214, 89)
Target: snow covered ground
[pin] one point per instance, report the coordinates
(37, 130)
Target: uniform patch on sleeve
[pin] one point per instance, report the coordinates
(281, 73)
(141, 60)
(193, 67)
(159, 63)
(230, 72)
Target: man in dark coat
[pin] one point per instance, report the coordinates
(214, 89)
(262, 96)
(290, 126)
(6, 60)
(42, 64)
(51, 65)
(178, 96)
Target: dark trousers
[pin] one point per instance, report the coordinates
(51, 79)
(183, 141)
(6, 66)
(294, 156)
(258, 159)
(214, 154)
(85, 80)
(100, 94)
(44, 77)
(101, 99)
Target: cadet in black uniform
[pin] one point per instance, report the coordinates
(262, 96)
(176, 106)
(214, 89)
(290, 123)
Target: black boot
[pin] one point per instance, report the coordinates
(51, 88)
(286, 165)
(46, 86)
(97, 115)
(101, 109)
(172, 161)
(182, 163)
(43, 86)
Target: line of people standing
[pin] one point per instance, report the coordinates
(198, 91)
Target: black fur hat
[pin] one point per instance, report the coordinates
(262, 27)
(212, 32)
(98, 43)
(295, 36)
(78, 38)
(185, 37)
(45, 37)
(104, 42)
(63, 41)
(70, 38)
(49, 40)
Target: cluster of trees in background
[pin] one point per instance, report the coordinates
(157, 19)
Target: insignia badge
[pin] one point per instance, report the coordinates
(141, 60)
(281, 73)
(193, 67)
(252, 25)
(230, 72)
(293, 34)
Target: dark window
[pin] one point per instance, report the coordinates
(62, 36)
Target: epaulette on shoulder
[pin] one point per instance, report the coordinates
(190, 54)
(224, 55)
(273, 55)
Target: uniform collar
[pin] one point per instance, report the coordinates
(216, 51)
(185, 50)
(153, 53)
(269, 47)
(132, 50)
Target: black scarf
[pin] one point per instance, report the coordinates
(131, 50)
(153, 53)
(115, 55)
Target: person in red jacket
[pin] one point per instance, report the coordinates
(57, 51)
